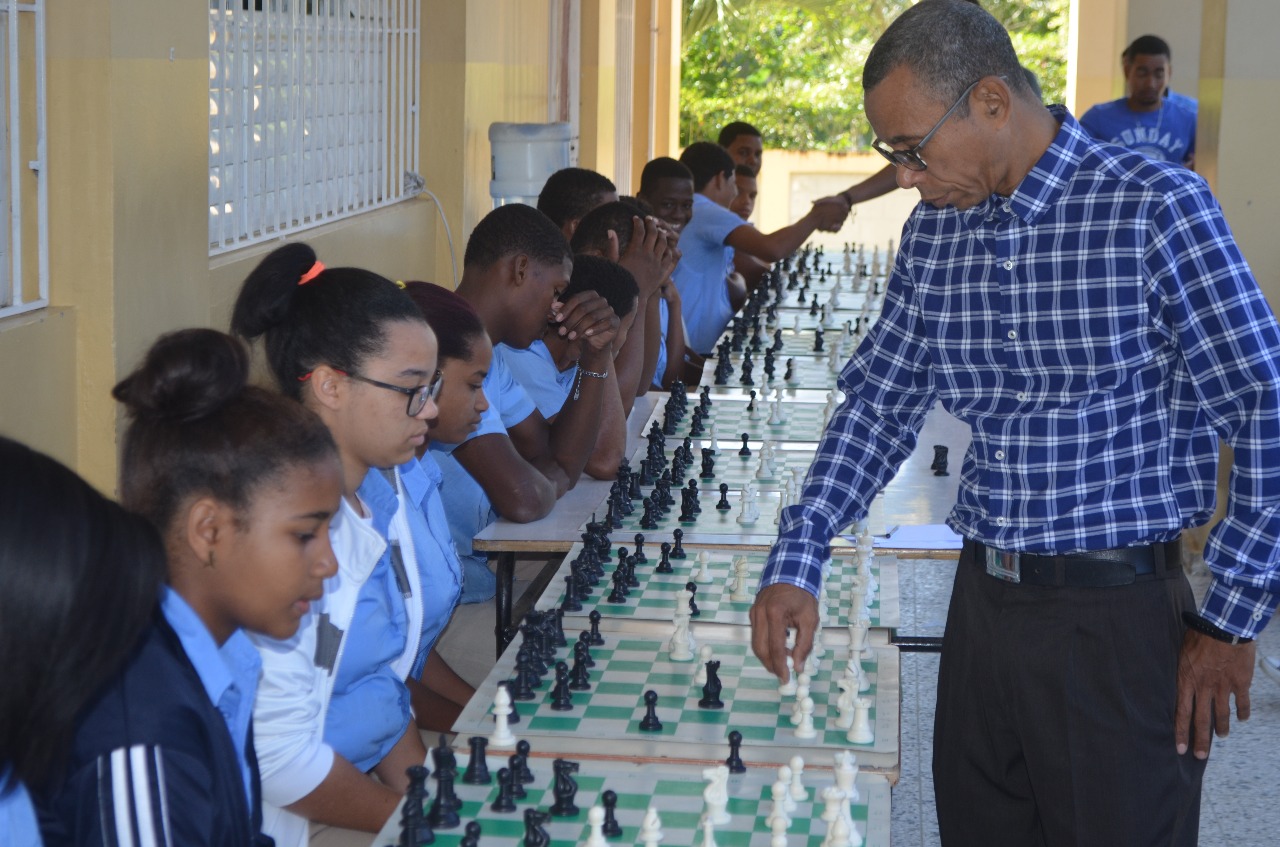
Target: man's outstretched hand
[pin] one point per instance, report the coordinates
(779, 608)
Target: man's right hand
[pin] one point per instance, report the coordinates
(778, 608)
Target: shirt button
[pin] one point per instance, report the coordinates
(1007, 207)
(1008, 264)
(1000, 455)
(1000, 521)
(1022, 396)
(1257, 616)
(1013, 334)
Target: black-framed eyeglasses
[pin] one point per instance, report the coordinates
(418, 395)
(910, 158)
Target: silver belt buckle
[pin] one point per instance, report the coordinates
(1004, 565)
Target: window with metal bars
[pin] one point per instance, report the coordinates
(24, 218)
(313, 113)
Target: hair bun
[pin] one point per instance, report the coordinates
(187, 375)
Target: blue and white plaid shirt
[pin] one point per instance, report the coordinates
(1095, 330)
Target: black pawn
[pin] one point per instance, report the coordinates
(612, 829)
(596, 639)
(444, 809)
(505, 801)
(677, 552)
(513, 769)
(650, 722)
(751, 404)
(584, 638)
(745, 451)
(692, 588)
(580, 676)
(472, 837)
(664, 563)
(735, 753)
(477, 772)
(561, 696)
(723, 504)
(639, 554)
(523, 773)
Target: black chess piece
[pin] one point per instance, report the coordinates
(708, 463)
(565, 788)
(618, 594)
(647, 518)
(561, 696)
(444, 759)
(534, 834)
(580, 676)
(505, 801)
(686, 507)
(791, 371)
(692, 488)
(817, 340)
(723, 504)
(595, 639)
(444, 809)
(523, 774)
(664, 563)
(517, 785)
(650, 722)
(751, 404)
(477, 772)
(711, 690)
(735, 753)
(745, 451)
(571, 601)
(677, 551)
(639, 554)
(939, 466)
(472, 837)
(584, 638)
(609, 799)
(415, 829)
(692, 588)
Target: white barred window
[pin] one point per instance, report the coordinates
(24, 217)
(313, 113)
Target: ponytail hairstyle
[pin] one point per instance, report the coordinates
(79, 578)
(311, 315)
(197, 428)
(452, 318)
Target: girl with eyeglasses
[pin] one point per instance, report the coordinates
(334, 708)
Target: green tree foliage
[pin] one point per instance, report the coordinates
(794, 69)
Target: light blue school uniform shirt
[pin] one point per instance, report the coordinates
(465, 503)
(18, 827)
(664, 324)
(700, 274)
(438, 565)
(229, 673)
(369, 707)
(534, 368)
(1167, 135)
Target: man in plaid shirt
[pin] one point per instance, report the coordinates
(1087, 312)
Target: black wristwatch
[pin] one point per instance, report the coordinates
(1202, 626)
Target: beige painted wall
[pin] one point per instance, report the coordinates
(1177, 22)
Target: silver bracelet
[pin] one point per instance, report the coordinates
(577, 383)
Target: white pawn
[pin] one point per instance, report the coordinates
(778, 828)
(745, 516)
(811, 664)
(762, 469)
(798, 791)
(703, 573)
(789, 687)
(704, 656)
(834, 360)
(741, 568)
(651, 828)
(755, 414)
(595, 819)
(795, 325)
(502, 735)
(708, 834)
(802, 691)
(861, 732)
(781, 792)
(775, 412)
(838, 833)
(806, 728)
(711, 436)
(819, 648)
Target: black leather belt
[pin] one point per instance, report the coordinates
(1085, 569)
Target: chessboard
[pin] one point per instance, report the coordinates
(654, 598)
(817, 371)
(634, 660)
(711, 521)
(801, 420)
(673, 790)
(790, 463)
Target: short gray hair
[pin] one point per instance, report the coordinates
(948, 45)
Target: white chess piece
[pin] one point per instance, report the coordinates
(857, 635)
(857, 598)
(789, 687)
(795, 325)
(741, 569)
(651, 828)
(847, 774)
(703, 573)
(861, 732)
(775, 413)
(781, 792)
(844, 702)
(744, 509)
(857, 676)
(819, 647)
(811, 664)
(838, 833)
(679, 649)
(762, 469)
(502, 735)
(704, 656)
(716, 795)
(755, 414)
(806, 728)
(802, 691)
(798, 791)
(595, 819)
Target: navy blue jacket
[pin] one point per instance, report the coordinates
(152, 758)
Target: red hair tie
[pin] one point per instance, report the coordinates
(311, 274)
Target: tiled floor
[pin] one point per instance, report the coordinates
(1241, 806)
